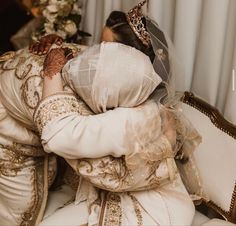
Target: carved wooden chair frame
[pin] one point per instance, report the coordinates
(221, 123)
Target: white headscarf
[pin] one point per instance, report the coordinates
(112, 75)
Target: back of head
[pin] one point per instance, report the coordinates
(123, 33)
(112, 75)
(119, 25)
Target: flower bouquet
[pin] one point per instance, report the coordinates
(61, 17)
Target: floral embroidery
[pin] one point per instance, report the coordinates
(106, 173)
(16, 156)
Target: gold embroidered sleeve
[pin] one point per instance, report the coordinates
(55, 106)
(112, 174)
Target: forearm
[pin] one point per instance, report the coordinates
(52, 85)
(53, 64)
(69, 134)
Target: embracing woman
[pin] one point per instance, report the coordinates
(131, 129)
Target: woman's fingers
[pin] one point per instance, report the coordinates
(33, 46)
(68, 53)
(44, 44)
(43, 48)
(59, 41)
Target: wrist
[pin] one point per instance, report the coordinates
(51, 75)
(52, 85)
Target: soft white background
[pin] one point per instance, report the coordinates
(204, 35)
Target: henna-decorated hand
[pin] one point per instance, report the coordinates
(44, 44)
(55, 61)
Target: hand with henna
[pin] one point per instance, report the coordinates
(55, 61)
(44, 44)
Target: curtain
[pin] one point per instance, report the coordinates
(204, 36)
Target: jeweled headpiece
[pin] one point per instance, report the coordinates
(134, 17)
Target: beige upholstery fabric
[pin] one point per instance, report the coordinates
(217, 222)
(199, 219)
(215, 158)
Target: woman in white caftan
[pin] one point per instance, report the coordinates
(21, 85)
(26, 170)
(107, 194)
(18, 90)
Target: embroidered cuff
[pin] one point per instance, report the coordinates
(53, 107)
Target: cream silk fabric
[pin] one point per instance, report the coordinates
(20, 93)
(120, 208)
(21, 90)
(67, 131)
(22, 173)
(110, 75)
(26, 171)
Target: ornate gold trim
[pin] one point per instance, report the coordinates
(7, 56)
(227, 127)
(103, 207)
(233, 205)
(32, 216)
(113, 210)
(137, 210)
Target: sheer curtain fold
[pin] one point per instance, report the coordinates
(209, 57)
(186, 33)
(203, 33)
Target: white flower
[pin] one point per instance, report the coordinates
(55, 12)
(52, 2)
(70, 27)
(49, 28)
(61, 33)
(76, 9)
(43, 1)
(52, 8)
(51, 17)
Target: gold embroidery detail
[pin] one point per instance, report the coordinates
(29, 217)
(7, 56)
(137, 210)
(54, 107)
(13, 161)
(16, 156)
(106, 173)
(31, 94)
(113, 212)
(28, 69)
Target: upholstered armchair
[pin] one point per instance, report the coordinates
(216, 161)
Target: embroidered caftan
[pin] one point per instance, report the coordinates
(68, 131)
